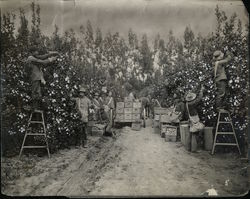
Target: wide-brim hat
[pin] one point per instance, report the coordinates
(82, 90)
(190, 97)
(104, 89)
(218, 55)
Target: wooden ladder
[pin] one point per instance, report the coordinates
(27, 133)
(232, 132)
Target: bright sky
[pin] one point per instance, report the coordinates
(143, 16)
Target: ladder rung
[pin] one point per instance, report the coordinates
(37, 111)
(36, 134)
(224, 111)
(30, 147)
(225, 133)
(226, 144)
(36, 122)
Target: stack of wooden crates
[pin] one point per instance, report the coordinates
(129, 111)
(158, 111)
(162, 124)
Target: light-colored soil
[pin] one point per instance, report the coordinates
(131, 163)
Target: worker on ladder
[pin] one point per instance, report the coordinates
(35, 62)
(220, 77)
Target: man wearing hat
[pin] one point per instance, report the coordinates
(220, 76)
(35, 62)
(83, 104)
(109, 106)
(195, 125)
(97, 106)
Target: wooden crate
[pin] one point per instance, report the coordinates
(120, 104)
(128, 110)
(169, 130)
(127, 120)
(160, 111)
(157, 117)
(137, 105)
(170, 138)
(165, 119)
(128, 116)
(136, 126)
(136, 110)
(156, 124)
(119, 117)
(128, 104)
(157, 129)
(127, 99)
(136, 116)
(119, 110)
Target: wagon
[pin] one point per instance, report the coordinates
(128, 111)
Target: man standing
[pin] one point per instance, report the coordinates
(83, 104)
(108, 109)
(97, 107)
(196, 126)
(36, 62)
(220, 77)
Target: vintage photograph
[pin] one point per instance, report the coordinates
(124, 98)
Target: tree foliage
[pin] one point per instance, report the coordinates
(96, 59)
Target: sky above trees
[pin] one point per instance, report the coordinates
(143, 16)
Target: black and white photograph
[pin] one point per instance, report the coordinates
(124, 98)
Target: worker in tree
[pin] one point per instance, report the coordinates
(220, 77)
(36, 61)
(83, 105)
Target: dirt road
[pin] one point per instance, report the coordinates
(151, 166)
(131, 163)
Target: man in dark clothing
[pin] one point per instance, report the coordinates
(220, 77)
(196, 126)
(179, 107)
(36, 62)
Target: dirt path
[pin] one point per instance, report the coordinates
(70, 172)
(151, 166)
(131, 163)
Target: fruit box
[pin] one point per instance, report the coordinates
(128, 110)
(136, 126)
(137, 105)
(119, 110)
(160, 111)
(170, 138)
(120, 104)
(128, 104)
